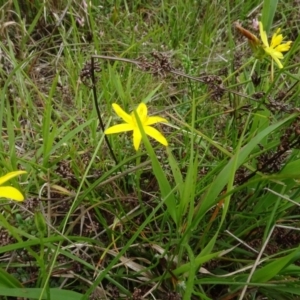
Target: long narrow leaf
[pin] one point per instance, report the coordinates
(164, 185)
(272, 269)
(8, 281)
(268, 12)
(218, 185)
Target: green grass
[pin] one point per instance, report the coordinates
(215, 215)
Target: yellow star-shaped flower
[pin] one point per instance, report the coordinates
(277, 47)
(9, 191)
(131, 124)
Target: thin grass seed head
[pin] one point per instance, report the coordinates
(10, 192)
(254, 42)
(131, 124)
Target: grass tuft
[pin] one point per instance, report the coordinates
(215, 215)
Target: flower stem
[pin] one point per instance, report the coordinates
(98, 111)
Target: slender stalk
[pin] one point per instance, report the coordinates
(98, 111)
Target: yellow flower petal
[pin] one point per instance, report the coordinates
(154, 133)
(10, 175)
(137, 137)
(154, 120)
(142, 112)
(284, 47)
(118, 128)
(263, 35)
(121, 113)
(278, 62)
(132, 124)
(274, 53)
(277, 47)
(276, 40)
(10, 193)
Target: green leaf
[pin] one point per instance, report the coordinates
(292, 169)
(268, 12)
(294, 289)
(167, 193)
(40, 223)
(151, 94)
(66, 138)
(291, 270)
(267, 272)
(199, 260)
(222, 179)
(8, 281)
(189, 185)
(175, 171)
(191, 278)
